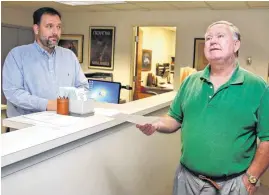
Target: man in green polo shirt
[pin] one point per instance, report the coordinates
(221, 111)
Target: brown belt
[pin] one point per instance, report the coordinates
(211, 179)
(217, 186)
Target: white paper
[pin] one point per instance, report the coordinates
(136, 119)
(132, 118)
(52, 119)
(142, 120)
(106, 112)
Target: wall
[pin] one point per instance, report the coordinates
(160, 41)
(253, 25)
(18, 17)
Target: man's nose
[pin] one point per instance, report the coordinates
(55, 31)
(213, 40)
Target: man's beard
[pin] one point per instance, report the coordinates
(48, 43)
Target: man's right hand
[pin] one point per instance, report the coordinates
(166, 124)
(147, 129)
(52, 105)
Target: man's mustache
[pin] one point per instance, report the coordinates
(54, 37)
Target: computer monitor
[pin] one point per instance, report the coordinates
(105, 91)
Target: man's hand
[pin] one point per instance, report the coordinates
(166, 124)
(52, 105)
(147, 129)
(250, 187)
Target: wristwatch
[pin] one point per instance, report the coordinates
(252, 179)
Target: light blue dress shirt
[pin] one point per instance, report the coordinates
(32, 76)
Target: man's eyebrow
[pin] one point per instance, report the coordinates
(52, 23)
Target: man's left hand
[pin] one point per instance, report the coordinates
(250, 187)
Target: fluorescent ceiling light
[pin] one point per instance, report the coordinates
(74, 3)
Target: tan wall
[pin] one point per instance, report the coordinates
(253, 25)
(265, 178)
(190, 24)
(16, 16)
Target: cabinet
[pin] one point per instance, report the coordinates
(12, 36)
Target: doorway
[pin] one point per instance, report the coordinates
(154, 57)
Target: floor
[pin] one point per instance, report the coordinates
(262, 190)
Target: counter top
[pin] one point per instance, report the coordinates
(34, 139)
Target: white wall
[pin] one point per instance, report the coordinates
(253, 24)
(160, 41)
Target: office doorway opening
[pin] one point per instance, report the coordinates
(154, 60)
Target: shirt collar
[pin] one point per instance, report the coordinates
(43, 51)
(237, 77)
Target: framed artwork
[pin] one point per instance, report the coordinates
(73, 42)
(199, 59)
(146, 59)
(101, 47)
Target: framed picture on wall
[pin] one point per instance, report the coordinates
(101, 47)
(146, 59)
(199, 59)
(73, 42)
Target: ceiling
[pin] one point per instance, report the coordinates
(141, 5)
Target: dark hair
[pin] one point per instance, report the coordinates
(44, 10)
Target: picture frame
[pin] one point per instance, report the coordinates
(74, 42)
(101, 47)
(199, 59)
(146, 59)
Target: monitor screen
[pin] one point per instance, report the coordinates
(105, 91)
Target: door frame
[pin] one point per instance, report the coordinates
(134, 53)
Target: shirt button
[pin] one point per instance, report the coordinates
(211, 87)
(210, 96)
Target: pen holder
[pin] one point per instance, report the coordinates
(63, 106)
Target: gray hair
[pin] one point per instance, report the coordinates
(235, 31)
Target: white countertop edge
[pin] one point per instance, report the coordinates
(140, 107)
(39, 148)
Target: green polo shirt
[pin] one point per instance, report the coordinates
(219, 129)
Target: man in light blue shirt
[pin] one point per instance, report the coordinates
(32, 74)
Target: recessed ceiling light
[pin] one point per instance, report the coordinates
(74, 3)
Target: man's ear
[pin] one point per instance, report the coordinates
(237, 45)
(36, 29)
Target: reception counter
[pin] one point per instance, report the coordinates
(98, 155)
